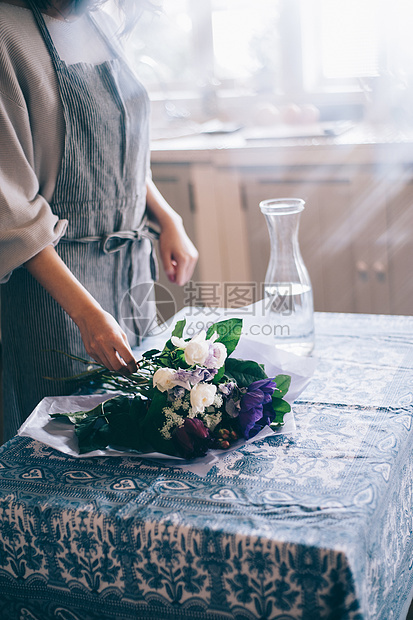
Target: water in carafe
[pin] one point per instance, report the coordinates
(288, 296)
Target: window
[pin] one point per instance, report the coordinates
(341, 43)
(220, 42)
(285, 50)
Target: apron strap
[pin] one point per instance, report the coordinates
(57, 62)
(115, 241)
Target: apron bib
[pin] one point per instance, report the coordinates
(101, 191)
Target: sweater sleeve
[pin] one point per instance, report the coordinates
(27, 224)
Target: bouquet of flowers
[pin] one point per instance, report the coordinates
(186, 399)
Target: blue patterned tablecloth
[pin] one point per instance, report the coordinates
(313, 525)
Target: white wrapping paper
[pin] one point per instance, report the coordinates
(60, 435)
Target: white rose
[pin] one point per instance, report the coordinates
(198, 350)
(163, 379)
(202, 395)
(217, 355)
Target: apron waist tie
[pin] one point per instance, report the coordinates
(115, 241)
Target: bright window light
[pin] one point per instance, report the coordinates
(350, 38)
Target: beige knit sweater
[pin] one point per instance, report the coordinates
(31, 139)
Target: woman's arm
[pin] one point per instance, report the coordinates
(103, 338)
(178, 253)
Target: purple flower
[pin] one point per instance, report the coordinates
(227, 388)
(256, 407)
(182, 378)
(192, 439)
(232, 407)
(202, 374)
(188, 378)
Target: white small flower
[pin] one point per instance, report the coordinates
(185, 405)
(163, 379)
(172, 420)
(218, 400)
(202, 395)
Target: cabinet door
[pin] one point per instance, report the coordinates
(324, 234)
(400, 244)
(173, 181)
(370, 240)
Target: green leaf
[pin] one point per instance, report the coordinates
(179, 328)
(126, 425)
(281, 407)
(117, 421)
(70, 417)
(283, 385)
(228, 331)
(154, 421)
(92, 434)
(244, 372)
(150, 353)
(217, 378)
(178, 332)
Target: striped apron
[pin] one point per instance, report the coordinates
(101, 191)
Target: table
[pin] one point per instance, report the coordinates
(316, 524)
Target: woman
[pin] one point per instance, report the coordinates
(75, 252)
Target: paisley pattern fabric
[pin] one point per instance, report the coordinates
(317, 524)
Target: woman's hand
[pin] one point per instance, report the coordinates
(105, 341)
(103, 338)
(178, 253)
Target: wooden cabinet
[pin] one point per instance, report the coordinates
(324, 232)
(209, 202)
(368, 218)
(355, 233)
(174, 183)
(399, 234)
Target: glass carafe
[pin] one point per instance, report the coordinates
(288, 295)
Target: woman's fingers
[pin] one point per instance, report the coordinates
(125, 357)
(179, 255)
(116, 360)
(107, 343)
(184, 269)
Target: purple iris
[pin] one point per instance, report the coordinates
(256, 407)
(192, 439)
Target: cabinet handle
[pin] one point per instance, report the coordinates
(362, 269)
(380, 271)
(191, 198)
(244, 199)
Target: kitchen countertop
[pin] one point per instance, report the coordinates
(359, 142)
